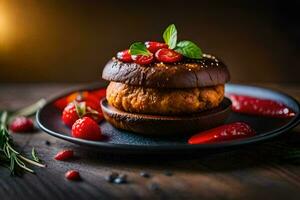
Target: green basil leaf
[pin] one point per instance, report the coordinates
(170, 36)
(189, 49)
(139, 48)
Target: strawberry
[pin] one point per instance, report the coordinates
(124, 56)
(226, 132)
(21, 124)
(64, 155)
(263, 107)
(168, 55)
(72, 175)
(69, 115)
(86, 128)
(155, 46)
(143, 60)
(76, 110)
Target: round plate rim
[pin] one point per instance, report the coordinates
(259, 138)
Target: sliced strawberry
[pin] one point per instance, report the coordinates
(86, 128)
(226, 132)
(72, 175)
(124, 56)
(262, 107)
(143, 60)
(64, 155)
(155, 46)
(168, 56)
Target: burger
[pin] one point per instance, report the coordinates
(165, 88)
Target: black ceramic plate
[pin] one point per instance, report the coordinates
(48, 119)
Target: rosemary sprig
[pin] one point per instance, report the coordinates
(29, 110)
(34, 155)
(9, 156)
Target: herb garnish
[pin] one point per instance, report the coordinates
(185, 47)
(9, 156)
(170, 36)
(139, 48)
(34, 155)
(189, 49)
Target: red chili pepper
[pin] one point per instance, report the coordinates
(226, 132)
(263, 107)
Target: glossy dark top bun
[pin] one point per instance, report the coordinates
(188, 73)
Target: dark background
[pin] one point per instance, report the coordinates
(70, 41)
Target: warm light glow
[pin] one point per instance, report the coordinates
(4, 27)
(2, 23)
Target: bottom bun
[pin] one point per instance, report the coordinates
(156, 125)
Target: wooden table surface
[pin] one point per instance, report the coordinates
(256, 172)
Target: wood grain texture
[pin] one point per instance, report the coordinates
(256, 172)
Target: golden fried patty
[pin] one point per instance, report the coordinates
(137, 99)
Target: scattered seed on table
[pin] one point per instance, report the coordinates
(121, 179)
(168, 173)
(111, 177)
(154, 186)
(145, 174)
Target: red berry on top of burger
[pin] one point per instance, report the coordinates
(124, 56)
(153, 47)
(170, 51)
